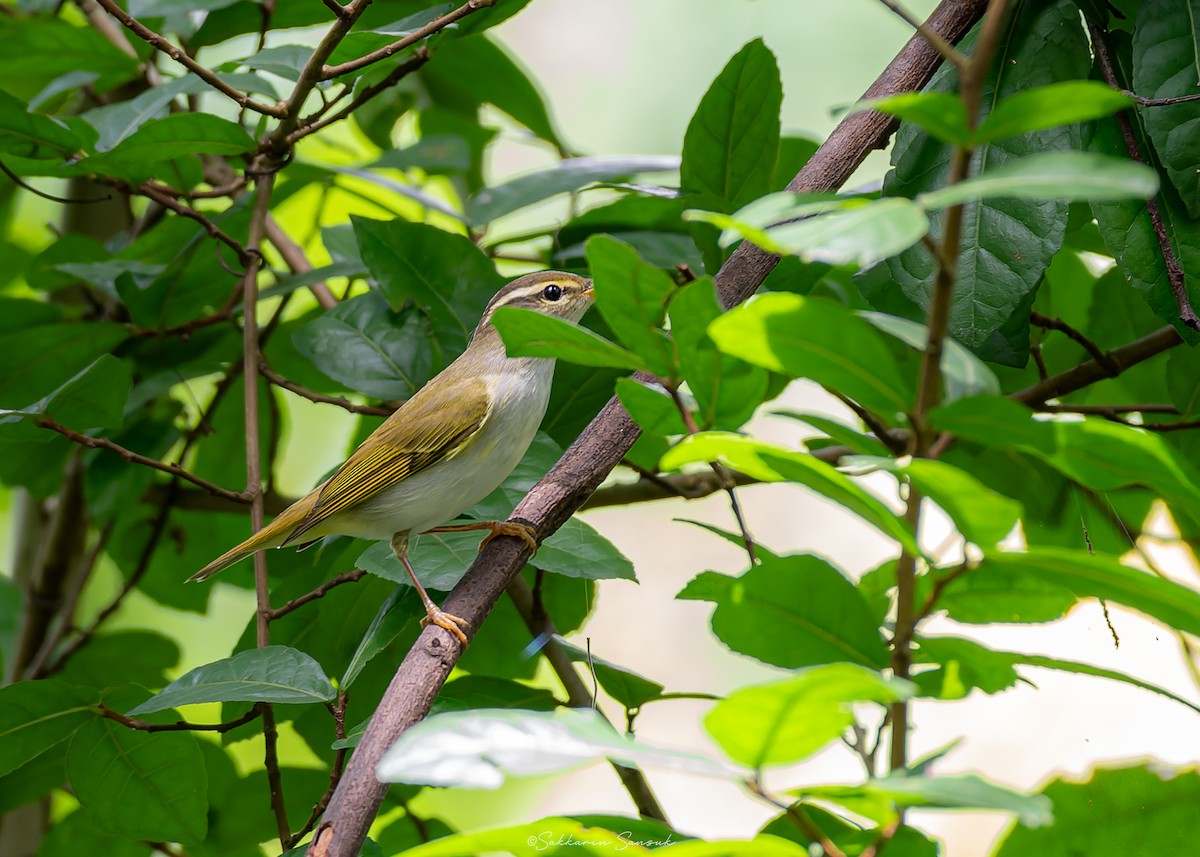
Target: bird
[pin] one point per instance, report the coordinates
(443, 450)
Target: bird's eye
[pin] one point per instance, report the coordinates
(552, 292)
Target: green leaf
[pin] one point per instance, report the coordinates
(531, 334)
(564, 177)
(1062, 103)
(543, 836)
(143, 785)
(963, 791)
(397, 613)
(434, 153)
(447, 276)
(577, 549)
(479, 749)
(983, 599)
(470, 692)
(29, 134)
(1094, 576)
(732, 141)
(269, 674)
(1165, 45)
(962, 665)
(816, 339)
(1116, 812)
(727, 390)
(363, 344)
(1099, 672)
(785, 721)
(861, 232)
(793, 611)
(287, 61)
(475, 70)
(963, 373)
(37, 715)
(632, 298)
(160, 140)
(769, 463)
(1070, 176)
(650, 407)
(1006, 243)
(622, 684)
(96, 397)
(79, 833)
(942, 114)
(38, 360)
(982, 515)
(61, 48)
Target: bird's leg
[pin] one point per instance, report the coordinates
(433, 613)
(495, 528)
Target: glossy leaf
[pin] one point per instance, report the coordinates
(942, 114)
(651, 408)
(963, 373)
(142, 785)
(566, 176)
(791, 612)
(1071, 176)
(1165, 45)
(632, 298)
(35, 716)
(1062, 103)
(1006, 243)
(480, 749)
(816, 339)
(732, 141)
(365, 345)
(785, 721)
(770, 463)
(159, 140)
(532, 334)
(982, 515)
(269, 674)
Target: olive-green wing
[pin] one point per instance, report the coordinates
(424, 431)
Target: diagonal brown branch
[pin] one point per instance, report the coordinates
(599, 449)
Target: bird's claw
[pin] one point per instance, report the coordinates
(511, 528)
(447, 621)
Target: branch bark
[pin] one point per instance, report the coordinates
(599, 449)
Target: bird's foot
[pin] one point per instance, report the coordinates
(451, 623)
(511, 528)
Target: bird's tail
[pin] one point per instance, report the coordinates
(271, 536)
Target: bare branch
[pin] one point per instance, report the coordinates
(345, 404)
(320, 592)
(179, 725)
(434, 26)
(206, 74)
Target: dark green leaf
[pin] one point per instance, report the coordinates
(79, 833)
(96, 397)
(36, 715)
(532, 334)
(1006, 244)
(789, 720)
(963, 373)
(396, 614)
(36, 361)
(157, 141)
(816, 339)
(31, 134)
(962, 665)
(576, 549)
(481, 691)
(793, 611)
(287, 61)
(732, 141)
(61, 48)
(141, 785)
(434, 153)
(446, 275)
(632, 298)
(1165, 45)
(365, 345)
(269, 674)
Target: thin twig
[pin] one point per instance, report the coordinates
(436, 25)
(178, 725)
(320, 592)
(1160, 102)
(949, 53)
(320, 398)
(798, 816)
(21, 183)
(136, 458)
(1110, 411)
(151, 191)
(297, 262)
(1098, 354)
(206, 74)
